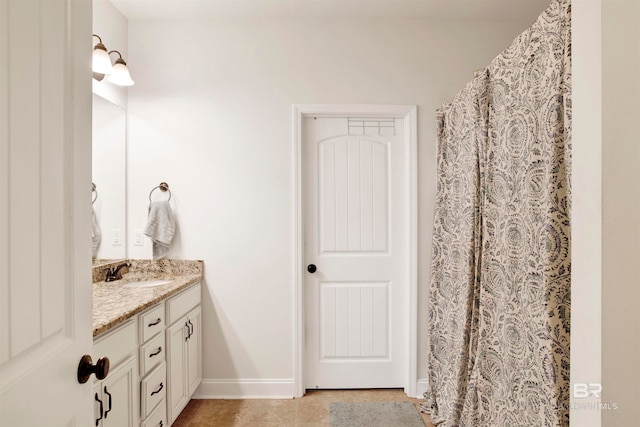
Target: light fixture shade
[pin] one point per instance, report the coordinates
(120, 75)
(101, 61)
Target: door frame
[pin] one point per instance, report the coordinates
(410, 188)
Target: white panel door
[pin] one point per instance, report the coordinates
(45, 205)
(353, 224)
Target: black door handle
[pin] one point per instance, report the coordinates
(311, 268)
(86, 368)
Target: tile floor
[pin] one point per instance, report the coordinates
(309, 411)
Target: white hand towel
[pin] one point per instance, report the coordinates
(160, 228)
(95, 233)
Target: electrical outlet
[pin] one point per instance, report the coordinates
(138, 237)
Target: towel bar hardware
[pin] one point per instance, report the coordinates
(163, 187)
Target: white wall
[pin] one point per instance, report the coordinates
(211, 115)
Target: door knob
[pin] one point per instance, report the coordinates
(311, 268)
(86, 368)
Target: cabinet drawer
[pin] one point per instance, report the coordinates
(151, 323)
(181, 304)
(153, 390)
(117, 344)
(158, 417)
(152, 354)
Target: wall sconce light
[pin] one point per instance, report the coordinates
(101, 61)
(118, 73)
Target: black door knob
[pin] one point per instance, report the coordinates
(311, 268)
(86, 368)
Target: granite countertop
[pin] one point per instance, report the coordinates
(114, 303)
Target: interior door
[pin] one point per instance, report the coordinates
(45, 206)
(353, 225)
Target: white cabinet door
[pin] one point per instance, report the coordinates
(177, 396)
(194, 350)
(184, 361)
(115, 397)
(45, 211)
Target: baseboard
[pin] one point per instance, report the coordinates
(262, 389)
(245, 389)
(421, 387)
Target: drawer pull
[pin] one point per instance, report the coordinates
(189, 326)
(108, 410)
(157, 352)
(101, 410)
(158, 390)
(154, 323)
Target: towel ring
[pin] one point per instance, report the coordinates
(93, 190)
(163, 187)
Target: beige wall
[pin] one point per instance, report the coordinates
(586, 215)
(621, 211)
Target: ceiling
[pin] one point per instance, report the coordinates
(437, 10)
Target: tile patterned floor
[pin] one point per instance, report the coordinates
(312, 410)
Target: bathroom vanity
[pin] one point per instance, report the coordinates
(149, 326)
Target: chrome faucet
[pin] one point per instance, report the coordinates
(115, 273)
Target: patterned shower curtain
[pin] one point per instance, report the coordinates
(499, 309)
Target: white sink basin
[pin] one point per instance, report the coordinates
(147, 283)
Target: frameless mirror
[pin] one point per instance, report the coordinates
(109, 178)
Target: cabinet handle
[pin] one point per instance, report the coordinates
(160, 425)
(101, 410)
(154, 323)
(190, 327)
(158, 390)
(108, 410)
(157, 352)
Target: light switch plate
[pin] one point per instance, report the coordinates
(138, 237)
(116, 239)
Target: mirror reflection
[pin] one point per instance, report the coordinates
(109, 178)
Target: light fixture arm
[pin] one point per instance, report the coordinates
(99, 45)
(119, 60)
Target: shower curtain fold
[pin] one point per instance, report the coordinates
(499, 307)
